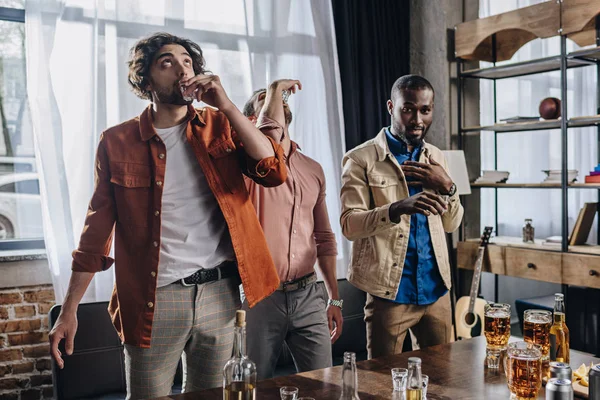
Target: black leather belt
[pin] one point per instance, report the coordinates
(227, 269)
(299, 283)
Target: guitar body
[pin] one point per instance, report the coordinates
(469, 312)
(469, 325)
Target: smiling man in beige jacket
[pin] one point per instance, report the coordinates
(397, 202)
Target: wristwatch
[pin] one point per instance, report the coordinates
(452, 190)
(337, 303)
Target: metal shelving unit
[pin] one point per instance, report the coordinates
(562, 62)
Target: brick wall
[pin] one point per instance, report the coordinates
(25, 369)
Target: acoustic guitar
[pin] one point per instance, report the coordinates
(469, 312)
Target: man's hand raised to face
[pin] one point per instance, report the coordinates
(206, 88)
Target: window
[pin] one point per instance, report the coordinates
(20, 206)
(8, 188)
(30, 186)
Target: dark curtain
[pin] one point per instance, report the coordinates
(373, 49)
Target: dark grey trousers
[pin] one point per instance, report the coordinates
(299, 319)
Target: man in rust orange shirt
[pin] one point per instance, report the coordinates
(296, 225)
(169, 188)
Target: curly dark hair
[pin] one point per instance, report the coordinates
(142, 55)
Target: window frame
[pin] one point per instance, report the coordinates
(18, 15)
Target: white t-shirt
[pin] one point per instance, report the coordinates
(194, 233)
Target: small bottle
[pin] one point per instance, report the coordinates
(559, 333)
(349, 378)
(528, 231)
(414, 386)
(239, 373)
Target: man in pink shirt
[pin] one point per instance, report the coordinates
(296, 225)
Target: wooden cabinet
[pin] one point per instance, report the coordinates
(493, 260)
(581, 270)
(534, 264)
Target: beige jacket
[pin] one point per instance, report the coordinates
(371, 180)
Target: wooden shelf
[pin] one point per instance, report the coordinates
(473, 39)
(578, 20)
(513, 241)
(535, 185)
(510, 256)
(578, 122)
(574, 18)
(547, 64)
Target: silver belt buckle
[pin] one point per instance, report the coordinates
(186, 284)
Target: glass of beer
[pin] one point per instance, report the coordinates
(497, 331)
(523, 367)
(536, 330)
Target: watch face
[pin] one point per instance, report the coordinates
(452, 189)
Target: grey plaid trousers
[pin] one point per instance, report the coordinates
(195, 322)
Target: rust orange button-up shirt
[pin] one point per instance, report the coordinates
(294, 217)
(129, 179)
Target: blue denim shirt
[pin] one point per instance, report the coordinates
(421, 282)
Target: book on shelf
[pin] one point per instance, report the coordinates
(555, 175)
(592, 179)
(518, 118)
(553, 241)
(584, 222)
(493, 177)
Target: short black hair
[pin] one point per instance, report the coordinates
(410, 82)
(249, 110)
(142, 55)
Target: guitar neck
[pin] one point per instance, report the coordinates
(476, 278)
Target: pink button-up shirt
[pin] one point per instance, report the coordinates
(294, 217)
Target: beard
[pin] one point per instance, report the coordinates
(288, 115)
(409, 137)
(171, 95)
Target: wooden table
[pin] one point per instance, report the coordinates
(456, 371)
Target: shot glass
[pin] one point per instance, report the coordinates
(288, 393)
(425, 379)
(399, 376)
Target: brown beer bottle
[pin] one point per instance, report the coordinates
(559, 333)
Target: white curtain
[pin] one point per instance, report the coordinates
(526, 154)
(77, 86)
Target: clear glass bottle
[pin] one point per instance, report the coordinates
(239, 373)
(414, 386)
(559, 333)
(349, 378)
(528, 231)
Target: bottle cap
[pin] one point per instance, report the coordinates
(240, 318)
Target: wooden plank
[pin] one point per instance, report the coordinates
(578, 16)
(514, 241)
(493, 260)
(534, 264)
(473, 39)
(581, 270)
